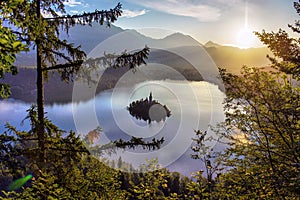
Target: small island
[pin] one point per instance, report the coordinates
(149, 110)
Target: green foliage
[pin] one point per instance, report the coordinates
(19, 150)
(285, 48)
(203, 188)
(43, 33)
(153, 182)
(9, 47)
(150, 183)
(262, 125)
(261, 129)
(54, 53)
(199, 188)
(70, 172)
(88, 179)
(42, 188)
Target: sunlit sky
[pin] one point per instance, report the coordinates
(227, 22)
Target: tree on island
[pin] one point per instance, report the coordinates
(148, 110)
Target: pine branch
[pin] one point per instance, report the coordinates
(58, 47)
(135, 142)
(131, 144)
(295, 28)
(130, 60)
(103, 16)
(77, 63)
(57, 54)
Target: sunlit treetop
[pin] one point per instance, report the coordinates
(286, 49)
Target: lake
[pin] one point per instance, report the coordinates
(193, 105)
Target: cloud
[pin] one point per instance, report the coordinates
(208, 11)
(72, 3)
(131, 13)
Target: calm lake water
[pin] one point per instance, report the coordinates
(193, 105)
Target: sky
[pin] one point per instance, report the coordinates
(227, 22)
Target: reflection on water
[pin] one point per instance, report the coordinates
(194, 105)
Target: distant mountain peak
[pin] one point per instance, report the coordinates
(135, 32)
(211, 44)
(182, 38)
(177, 35)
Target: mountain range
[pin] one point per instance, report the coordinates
(178, 56)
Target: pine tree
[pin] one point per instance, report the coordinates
(54, 53)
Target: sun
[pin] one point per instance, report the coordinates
(245, 38)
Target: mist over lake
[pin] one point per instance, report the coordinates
(193, 105)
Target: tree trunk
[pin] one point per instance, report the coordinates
(40, 95)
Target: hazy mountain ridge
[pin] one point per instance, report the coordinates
(24, 88)
(233, 58)
(229, 57)
(186, 39)
(181, 52)
(211, 44)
